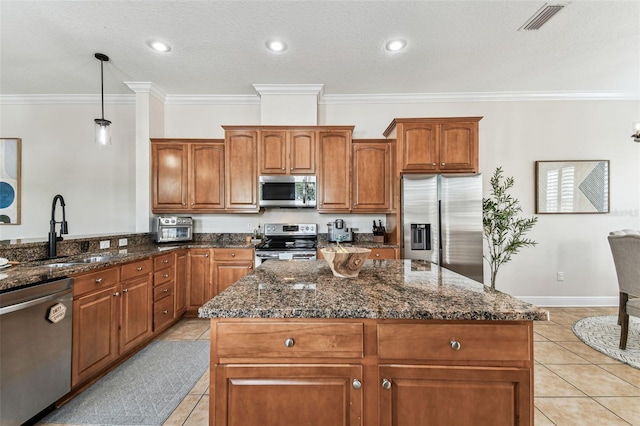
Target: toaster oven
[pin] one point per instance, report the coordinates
(172, 229)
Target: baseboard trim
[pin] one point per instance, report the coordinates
(570, 301)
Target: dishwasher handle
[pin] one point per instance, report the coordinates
(33, 302)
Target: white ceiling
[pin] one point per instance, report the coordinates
(47, 47)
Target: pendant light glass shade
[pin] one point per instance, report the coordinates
(102, 129)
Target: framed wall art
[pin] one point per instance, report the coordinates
(10, 164)
(580, 186)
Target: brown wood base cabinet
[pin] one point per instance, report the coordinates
(371, 372)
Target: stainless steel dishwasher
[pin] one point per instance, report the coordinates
(35, 349)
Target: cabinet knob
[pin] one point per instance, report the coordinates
(206, 255)
(165, 312)
(377, 254)
(357, 384)
(289, 342)
(455, 345)
(233, 255)
(139, 268)
(386, 384)
(442, 164)
(283, 168)
(125, 290)
(165, 261)
(116, 294)
(433, 164)
(292, 169)
(165, 275)
(184, 204)
(165, 290)
(98, 280)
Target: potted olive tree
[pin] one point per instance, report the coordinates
(503, 229)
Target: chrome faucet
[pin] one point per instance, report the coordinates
(53, 239)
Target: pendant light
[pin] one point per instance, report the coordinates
(102, 129)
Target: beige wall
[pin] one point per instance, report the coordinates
(99, 185)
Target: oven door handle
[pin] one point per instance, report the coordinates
(267, 255)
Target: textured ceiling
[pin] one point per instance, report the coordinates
(47, 47)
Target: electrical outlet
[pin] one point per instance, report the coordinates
(250, 227)
(105, 244)
(122, 242)
(560, 276)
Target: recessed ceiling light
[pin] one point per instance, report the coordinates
(276, 45)
(395, 45)
(159, 46)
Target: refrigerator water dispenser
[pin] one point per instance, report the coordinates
(420, 236)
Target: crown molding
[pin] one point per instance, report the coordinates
(146, 87)
(383, 98)
(65, 99)
(290, 89)
(408, 98)
(212, 100)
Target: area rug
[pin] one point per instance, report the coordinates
(144, 390)
(602, 333)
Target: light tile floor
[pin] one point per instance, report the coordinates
(574, 384)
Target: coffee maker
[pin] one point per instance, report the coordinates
(338, 231)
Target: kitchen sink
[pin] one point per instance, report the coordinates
(68, 263)
(60, 265)
(100, 258)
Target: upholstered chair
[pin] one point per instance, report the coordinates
(625, 248)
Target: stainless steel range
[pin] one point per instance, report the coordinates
(288, 241)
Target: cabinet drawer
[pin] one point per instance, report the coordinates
(474, 342)
(162, 312)
(136, 269)
(289, 340)
(382, 253)
(162, 291)
(163, 276)
(232, 254)
(164, 261)
(98, 280)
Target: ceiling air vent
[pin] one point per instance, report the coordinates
(541, 17)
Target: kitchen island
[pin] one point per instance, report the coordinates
(405, 343)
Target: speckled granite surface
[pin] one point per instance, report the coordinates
(385, 289)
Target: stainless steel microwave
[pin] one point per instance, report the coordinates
(288, 191)
(173, 228)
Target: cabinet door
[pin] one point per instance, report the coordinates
(302, 152)
(136, 313)
(275, 395)
(242, 171)
(440, 395)
(273, 152)
(169, 176)
(95, 333)
(227, 273)
(181, 282)
(419, 146)
(206, 180)
(371, 177)
(334, 163)
(459, 147)
(198, 278)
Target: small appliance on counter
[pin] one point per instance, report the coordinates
(173, 228)
(338, 231)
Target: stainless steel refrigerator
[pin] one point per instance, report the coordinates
(442, 221)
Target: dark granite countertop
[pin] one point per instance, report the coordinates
(36, 272)
(385, 289)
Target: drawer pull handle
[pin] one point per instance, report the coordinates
(357, 384)
(98, 280)
(139, 268)
(455, 345)
(126, 290)
(165, 312)
(165, 290)
(386, 384)
(165, 275)
(289, 342)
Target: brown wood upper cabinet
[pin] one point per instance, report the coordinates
(371, 185)
(187, 175)
(282, 152)
(334, 171)
(434, 145)
(241, 164)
